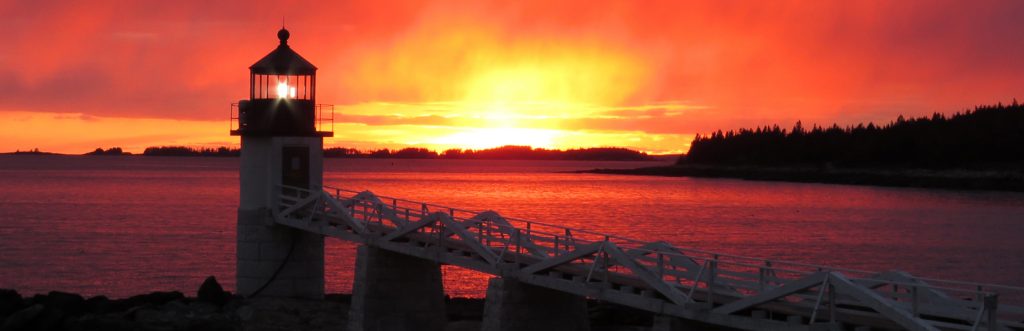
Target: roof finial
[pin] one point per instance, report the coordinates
(283, 36)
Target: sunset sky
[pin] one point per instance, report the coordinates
(76, 75)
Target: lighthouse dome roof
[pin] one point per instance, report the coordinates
(283, 60)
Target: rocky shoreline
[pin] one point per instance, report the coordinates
(215, 309)
(946, 179)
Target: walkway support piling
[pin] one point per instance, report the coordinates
(512, 305)
(396, 292)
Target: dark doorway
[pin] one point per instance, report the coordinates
(295, 166)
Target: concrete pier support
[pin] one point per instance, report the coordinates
(395, 292)
(513, 305)
(264, 248)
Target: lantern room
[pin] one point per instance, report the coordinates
(282, 97)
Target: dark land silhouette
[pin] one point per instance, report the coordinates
(980, 148)
(110, 151)
(985, 137)
(498, 153)
(190, 151)
(34, 151)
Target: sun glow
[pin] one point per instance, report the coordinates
(515, 103)
(519, 91)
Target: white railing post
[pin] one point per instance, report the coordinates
(488, 234)
(556, 245)
(594, 266)
(712, 268)
(519, 245)
(661, 266)
(914, 301)
(831, 303)
(606, 267)
(990, 304)
(821, 294)
(760, 279)
(440, 238)
(696, 280)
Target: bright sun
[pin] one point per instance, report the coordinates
(512, 105)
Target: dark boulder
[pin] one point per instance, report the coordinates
(38, 299)
(10, 302)
(50, 319)
(57, 307)
(104, 322)
(234, 302)
(212, 292)
(154, 299)
(68, 303)
(21, 319)
(99, 305)
(213, 323)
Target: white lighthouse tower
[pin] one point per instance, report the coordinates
(282, 149)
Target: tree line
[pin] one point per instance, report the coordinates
(190, 151)
(499, 153)
(986, 136)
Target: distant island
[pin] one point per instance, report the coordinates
(113, 151)
(190, 151)
(499, 153)
(34, 151)
(981, 148)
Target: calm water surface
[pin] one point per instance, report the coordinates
(126, 225)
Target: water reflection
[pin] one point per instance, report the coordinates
(121, 226)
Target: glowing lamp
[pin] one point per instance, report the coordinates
(282, 90)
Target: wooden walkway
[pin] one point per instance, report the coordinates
(722, 289)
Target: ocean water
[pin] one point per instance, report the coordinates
(120, 226)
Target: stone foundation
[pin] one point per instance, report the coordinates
(263, 247)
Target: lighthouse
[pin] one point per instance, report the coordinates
(282, 132)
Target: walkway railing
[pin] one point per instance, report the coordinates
(732, 290)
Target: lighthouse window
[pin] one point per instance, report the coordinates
(282, 87)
